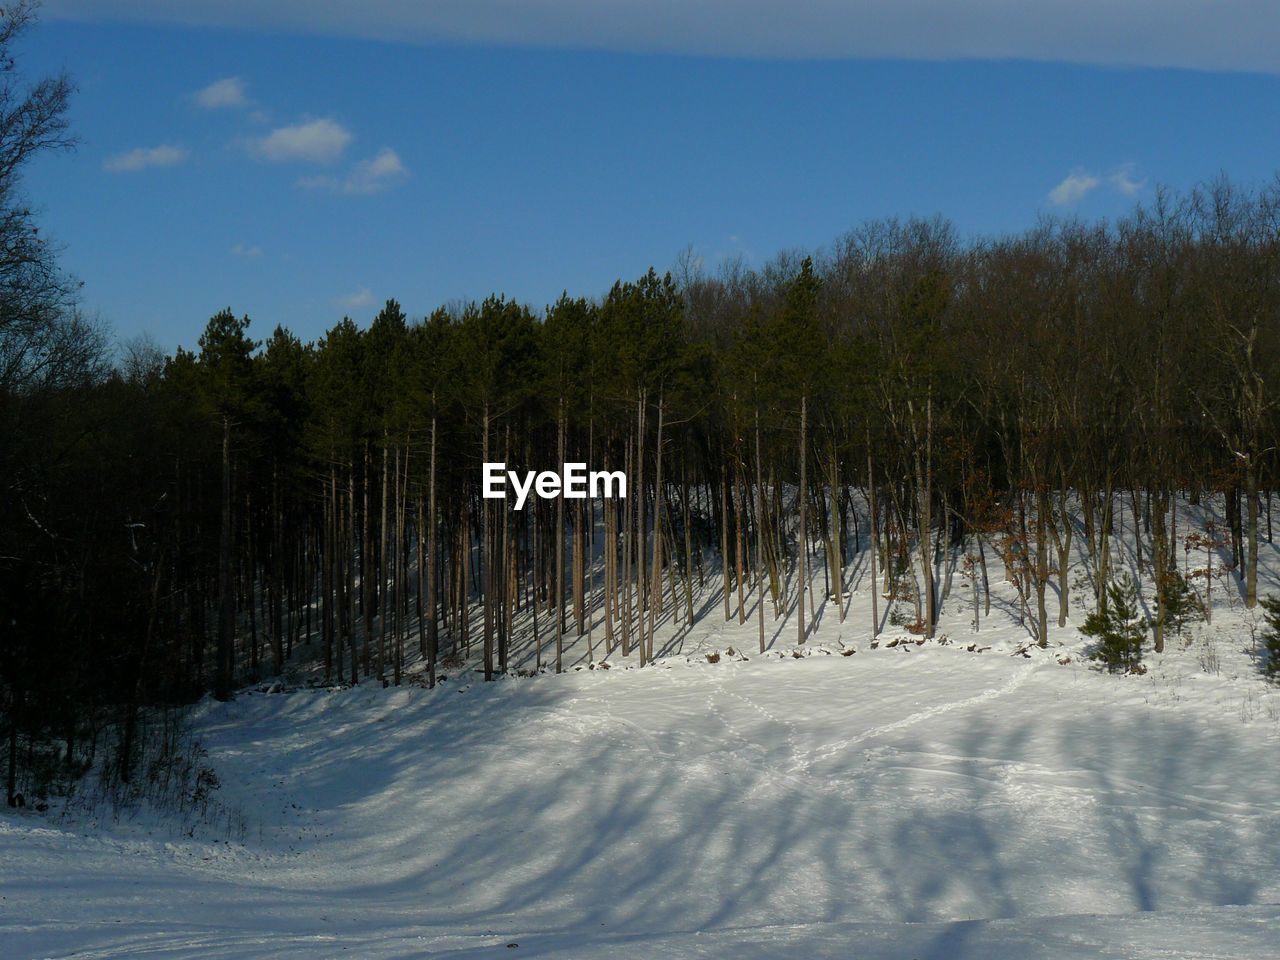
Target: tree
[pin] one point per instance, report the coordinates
(48, 354)
(796, 337)
(228, 371)
(40, 336)
(1119, 629)
(1271, 638)
(1181, 605)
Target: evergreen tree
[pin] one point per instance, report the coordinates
(225, 351)
(1181, 604)
(1119, 628)
(1271, 639)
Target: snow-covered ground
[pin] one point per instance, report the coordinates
(925, 801)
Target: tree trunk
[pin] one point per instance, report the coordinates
(801, 539)
(837, 546)
(724, 533)
(1160, 559)
(226, 608)
(1042, 567)
(655, 592)
(873, 545)
(559, 534)
(433, 638)
(759, 538)
(1251, 532)
(384, 548)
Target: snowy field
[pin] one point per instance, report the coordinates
(908, 801)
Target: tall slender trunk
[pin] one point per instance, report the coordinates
(625, 546)
(837, 546)
(226, 603)
(925, 516)
(277, 573)
(802, 546)
(1064, 554)
(398, 570)
(579, 568)
(1042, 566)
(420, 572)
(874, 544)
(1251, 532)
(559, 534)
(368, 579)
(331, 570)
(383, 551)
(486, 557)
(503, 568)
(737, 534)
(349, 553)
(536, 583)
(759, 538)
(724, 533)
(1160, 561)
(641, 532)
(655, 592)
(342, 593)
(1104, 545)
(433, 637)
(610, 557)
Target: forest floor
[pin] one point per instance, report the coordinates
(907, 801)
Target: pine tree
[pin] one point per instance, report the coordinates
(1271, 639)
(1181, 605)
(225, 350)
(1119, 629)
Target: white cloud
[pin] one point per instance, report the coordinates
(1125, 182)
(228, 92)
(1080, 183)
(240, 250)
(314, 141)
(1222, 35)
(352, 301)
(1073, 189)
(140, 158)
(377, 173)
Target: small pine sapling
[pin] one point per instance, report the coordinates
(1181, 603)
(1271, 638)
(1120, 629)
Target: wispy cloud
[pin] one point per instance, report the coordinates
(1125, 182)
(240, 250)
(140, 158)
(353, 301)
(1073, 189)
(377, 173)
(1079, 183)
(227, 93)
(312, 141)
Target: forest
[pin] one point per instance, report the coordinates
(190, 522)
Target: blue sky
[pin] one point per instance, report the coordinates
(301, 169)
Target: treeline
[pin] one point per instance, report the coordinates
(186, 522)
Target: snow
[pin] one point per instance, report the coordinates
(910, 801)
